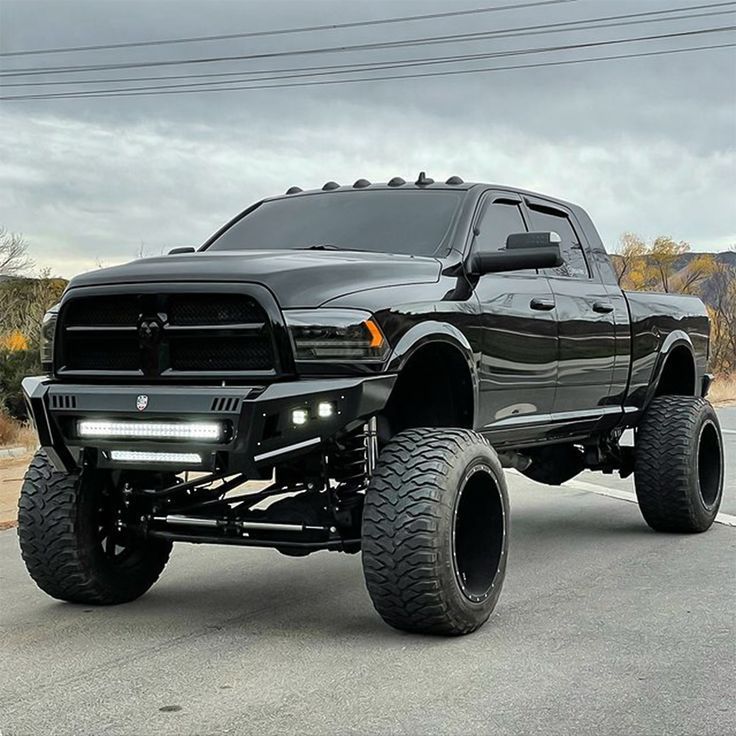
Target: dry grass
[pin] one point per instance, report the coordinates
(723, 390)
(8, 430)
(16, 434)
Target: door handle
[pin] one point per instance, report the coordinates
(603, 307)
(542, 304)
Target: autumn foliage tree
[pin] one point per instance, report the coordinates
(659, 266)
(23, 302)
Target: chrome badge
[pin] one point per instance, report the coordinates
(141, 402)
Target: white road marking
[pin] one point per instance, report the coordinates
(728, 431)
(582, 485)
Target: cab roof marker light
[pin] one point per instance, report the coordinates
(103, 429)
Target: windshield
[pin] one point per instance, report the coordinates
(410, 222)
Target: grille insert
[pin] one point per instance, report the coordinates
(165, 335)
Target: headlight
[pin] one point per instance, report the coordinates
(48, 329)
(336, 335)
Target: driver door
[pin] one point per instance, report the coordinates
(519, 331)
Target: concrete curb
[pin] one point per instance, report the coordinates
(8, 452)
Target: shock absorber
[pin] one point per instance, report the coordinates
(350, 465)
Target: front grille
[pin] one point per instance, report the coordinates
(226, 309)
(225, 354)
(166, 335)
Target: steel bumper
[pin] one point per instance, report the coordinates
(258, 431)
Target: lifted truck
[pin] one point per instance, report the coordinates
(375, 354)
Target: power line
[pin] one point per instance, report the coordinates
(120, 93)
(285, 31)
(414, 76)
(428, 40)
(593, 24)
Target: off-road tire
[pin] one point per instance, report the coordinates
(678, 467)
(59, 541)
(420, 536)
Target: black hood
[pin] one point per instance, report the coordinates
(296, 278)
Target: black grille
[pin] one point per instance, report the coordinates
(103, 312)
(225, 354)
(227, 309)
(165, 335)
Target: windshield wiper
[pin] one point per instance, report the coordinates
(320, 246)
(327, 246)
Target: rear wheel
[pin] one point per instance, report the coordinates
(678, 469)
(435, 531)
(72, 544)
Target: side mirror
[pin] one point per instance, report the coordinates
(516, 258)
(532, 240)
(183, 249)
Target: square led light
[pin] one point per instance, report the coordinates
(299, 416)
(205, 431)
(325, 409)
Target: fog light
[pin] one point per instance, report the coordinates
(325, 409)
(138, 456)
(206, 431)
(299, 416)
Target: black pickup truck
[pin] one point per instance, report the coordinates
(374, 354)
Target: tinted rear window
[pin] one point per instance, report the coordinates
(410, 222)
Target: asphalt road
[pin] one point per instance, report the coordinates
(603, 627)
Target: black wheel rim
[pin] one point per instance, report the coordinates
(479, 530)
(113, 539)
(709, 464)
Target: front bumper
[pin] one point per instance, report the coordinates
(257, 420)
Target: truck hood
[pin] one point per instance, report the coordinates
(296, 278)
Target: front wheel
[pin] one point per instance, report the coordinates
(71, 543)
(678, 470)
(435, 531)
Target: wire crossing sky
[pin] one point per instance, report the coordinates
(123, 92)
(303, 29)
(129, 126)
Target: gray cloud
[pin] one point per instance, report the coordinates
(645, 145)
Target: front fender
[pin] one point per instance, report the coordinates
(433, 332)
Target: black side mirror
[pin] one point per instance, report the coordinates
(516, 258)
(532, 240)
(183, 249)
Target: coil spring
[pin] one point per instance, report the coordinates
(349, 463)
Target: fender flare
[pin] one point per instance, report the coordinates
(675, 339)
(432, 333)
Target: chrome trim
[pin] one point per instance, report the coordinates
(288, 448)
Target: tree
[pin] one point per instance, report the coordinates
(663, 255)
(629, 256)
(663, 265)
(13, 253)
(23, 303)
(723, 320)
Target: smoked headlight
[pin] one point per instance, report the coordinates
(48, 329)
(335, 335)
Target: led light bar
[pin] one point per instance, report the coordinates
(207, 431)
(137, 456)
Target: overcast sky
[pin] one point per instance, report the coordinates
(645, 144)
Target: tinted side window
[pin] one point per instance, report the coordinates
(499, 220)
(572, 252)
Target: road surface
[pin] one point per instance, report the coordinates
(603, 627)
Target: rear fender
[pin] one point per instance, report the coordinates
(675, 339)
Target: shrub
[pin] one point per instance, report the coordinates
(8, 429)
(15, 365)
